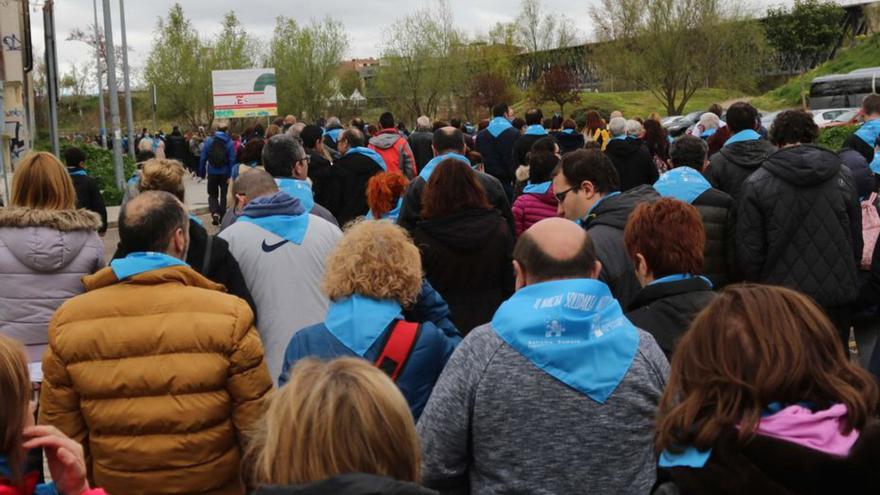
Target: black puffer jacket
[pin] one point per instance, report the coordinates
(633, 162)
(861, 173)
(666, 309)
(730, 167)
(569, 141)
(467, 259)
(604, 225)
(345, 188)
(799, 225)
(349, 484)
(715, 209)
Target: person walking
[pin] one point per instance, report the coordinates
(495, 144)
(88, 193)
(742, 154)
(537, 201)
(420, 142)
(392, 145)
(217, 160)
(568, 137)
(347, 183)
(630, 157)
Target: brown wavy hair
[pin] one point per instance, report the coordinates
(374, 259)
(163, 175)
(453, 187)
(669, 233)
(332, 418)
(754, 345)
(383, 191)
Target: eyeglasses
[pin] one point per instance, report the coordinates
(307, 159)
(560, 196)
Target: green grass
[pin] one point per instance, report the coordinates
(633, 103)
(865, 54)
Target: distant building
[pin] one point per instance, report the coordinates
(365, 67)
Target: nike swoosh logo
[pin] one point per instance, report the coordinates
(272, 247)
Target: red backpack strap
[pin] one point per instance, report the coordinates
(397, 348)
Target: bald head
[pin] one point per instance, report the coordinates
(554, 249)
(150, 222)
(254, 184)
(448, 140)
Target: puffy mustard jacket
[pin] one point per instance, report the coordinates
(157, 376)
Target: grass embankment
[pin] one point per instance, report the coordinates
(633, 103)
(865, 54)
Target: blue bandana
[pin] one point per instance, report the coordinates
(689, 457)
(536, 130)
(196, 220)
(572, 329)
(682, 276)
(603, 198)
(372, 155)
(682, 183)
(746, 135)
(289, 227)
(708, 133)
(875, 164)
(76, 171)
(391, 215)
(498, 125)
(140, 262)
(135, 179)
(298, 189)
(568, 131)
(333, 134)
(358, 321)
(537, 188)
(429, 167)
(869, 132)
(621, 137)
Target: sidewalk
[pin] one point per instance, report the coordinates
(196, 200)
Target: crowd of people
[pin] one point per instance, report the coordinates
(524, 306)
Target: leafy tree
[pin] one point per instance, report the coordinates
(178, 65)
(558, 84)
(503, 34)
(305, 61)
(675, 47)
(348, 81)
(234, 48)
(75, 80)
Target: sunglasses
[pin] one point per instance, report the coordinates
(560, 196)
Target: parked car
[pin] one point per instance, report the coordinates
(827, 115)
(680, 126)
(667, 121)
(850, 117)
(768, 118)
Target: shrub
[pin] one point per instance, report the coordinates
(833, 137)
(99, 164)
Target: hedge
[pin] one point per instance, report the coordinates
(99, 165)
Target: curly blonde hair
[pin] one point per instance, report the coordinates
(160, 174)
(374, 259)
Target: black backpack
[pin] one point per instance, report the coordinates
(217, 153)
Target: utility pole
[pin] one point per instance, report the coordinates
(114, 97)
(51, 72)
(129, 116)
(154, 103)
(102, 122)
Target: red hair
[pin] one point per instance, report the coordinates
(669, 234)
(383, 191)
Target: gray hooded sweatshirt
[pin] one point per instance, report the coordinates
(43, 256)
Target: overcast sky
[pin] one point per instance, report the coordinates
(365, 20)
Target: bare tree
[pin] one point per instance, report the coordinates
(537, 31)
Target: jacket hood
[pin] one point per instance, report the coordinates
(748, 154)
(279, 203)
(47, 240)
(466, 230)
(385, 139)
(623, 147)
(222, 136)
(804, 165)
(614, 211)
(349, 484)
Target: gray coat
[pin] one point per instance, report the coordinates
(43, 255)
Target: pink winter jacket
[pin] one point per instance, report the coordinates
(530, 208)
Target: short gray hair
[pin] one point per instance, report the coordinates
(333, 122)
(296, 129)
(633, 128)
(617, 126)
(423, 122)
(280, 153)
(709, 121)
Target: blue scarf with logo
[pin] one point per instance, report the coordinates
(498, 125)
(333, 134)
(76, 171)
(541, 188)
(572, 329)
(298, 189)
(280, 214)
(682, 183)
(372, 155)
(429, 167)
(391, 215)
(140, 262)
(358, 321)
(536, 130)
(746, 135)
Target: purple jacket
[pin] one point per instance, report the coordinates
(530, 208)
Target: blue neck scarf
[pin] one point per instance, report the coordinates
(358, 321)
(603, 198)
(367, 152)
(298, 189)
(391, 215)
(682, 183)
(869, 132)
(196, 220)
(76, 171)
(682, 276)
(875, 164)
(708, 133)
(568, 131)
(746, 135)
(619, 138)
(429, 167)
(536, 130)
(288, 227)
(333, 134)
(498, 125)
(135, 179)
(140, 262)
(541, 188)
(689, 457)
(572, 329)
